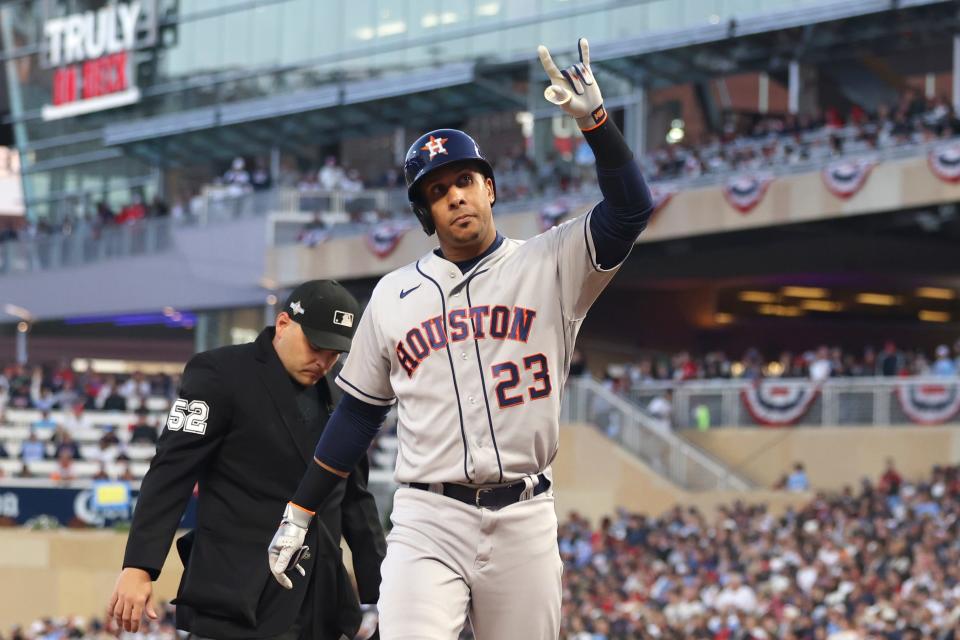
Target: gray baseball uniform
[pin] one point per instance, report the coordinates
(477, 363)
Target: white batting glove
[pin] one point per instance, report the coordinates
(574, 89)
(287, 546)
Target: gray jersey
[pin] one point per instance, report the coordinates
(477, 361)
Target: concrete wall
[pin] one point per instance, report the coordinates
(594, 477)
(209, 267)
(833, 456)
(55, 573)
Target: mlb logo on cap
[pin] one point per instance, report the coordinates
(343, 318)
(325, 311)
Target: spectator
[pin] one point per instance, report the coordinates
(158, 207)
(77, 421)
(64, 472)
(110, 449)
(3, 451)
(237, 178)
(44, 423)
(661, 408)
(126, 474)
(821, 366)
(143, 431)
(134, 212)
(109, 398)
(797, 480)
(32, 449)
(314, 232)
(891, 480)
(136, 386)
(45, 400)
(260, 179)
(67, 446)
(24, 471)
(890, 360)
(736, 595)
(101, 473)
(67, 396)
(330, 176)
(943, 365)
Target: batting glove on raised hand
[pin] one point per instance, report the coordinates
(287, 546)
(575, 89)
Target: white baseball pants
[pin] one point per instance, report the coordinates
(447, 560)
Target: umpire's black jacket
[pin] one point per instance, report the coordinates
(237, 431)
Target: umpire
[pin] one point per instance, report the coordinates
(243, 429)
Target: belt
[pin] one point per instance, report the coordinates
(486, 497)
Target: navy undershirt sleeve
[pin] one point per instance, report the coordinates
(349, 432)
(618, 219)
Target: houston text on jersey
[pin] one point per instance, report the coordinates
(498, 322)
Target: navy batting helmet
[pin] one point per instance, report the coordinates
(432, 151)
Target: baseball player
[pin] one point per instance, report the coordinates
(473, 342)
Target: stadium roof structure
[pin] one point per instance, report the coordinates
(858, 32)
(298, 119)
(811, 35)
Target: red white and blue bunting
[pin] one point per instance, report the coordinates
(844, 178)
(944, 161)
(384, 237)
(929, 402)
(744, 192)
(779, 402)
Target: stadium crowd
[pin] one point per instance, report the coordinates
(745, 142)
(816, 364)
(65, 399)
(59, 386)
(757, 142)
(878, 563)
(65, 403)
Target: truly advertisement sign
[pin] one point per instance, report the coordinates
(91, 53)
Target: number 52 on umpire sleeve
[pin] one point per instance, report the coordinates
(190, 416)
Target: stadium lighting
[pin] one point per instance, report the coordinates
(936, 293)
(271, 300)
(22, 327)
(488, 9)
(782, 310)
(933, 316)
(18, 312)
(773, 369)
(880, 299)
(722, 318)
(676, 133)
(821, 305)
(757, 296)
(805, 292)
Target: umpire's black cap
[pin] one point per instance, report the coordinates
(326, 312)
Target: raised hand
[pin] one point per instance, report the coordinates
(574, 89)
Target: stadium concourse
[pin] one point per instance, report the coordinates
(877, 562)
